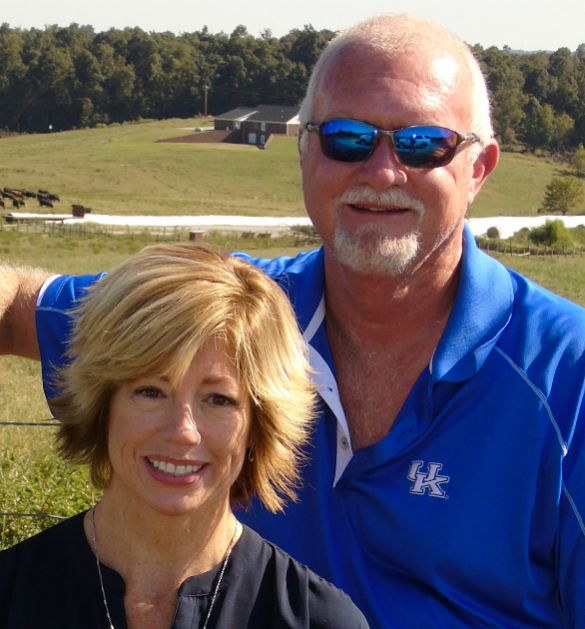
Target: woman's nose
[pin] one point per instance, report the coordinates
(182, 423)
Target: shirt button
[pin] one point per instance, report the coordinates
(343, 443)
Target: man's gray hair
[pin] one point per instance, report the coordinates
(394, 34)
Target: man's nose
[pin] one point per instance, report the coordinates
(383, 169)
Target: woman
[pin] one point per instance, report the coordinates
(186, 393)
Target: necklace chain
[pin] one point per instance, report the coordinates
(215, 591)
(97, 558)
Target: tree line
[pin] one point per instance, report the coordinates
(72, 77)
(538, 99)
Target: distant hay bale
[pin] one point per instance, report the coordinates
(494, 232)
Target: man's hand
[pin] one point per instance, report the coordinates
(19, 288)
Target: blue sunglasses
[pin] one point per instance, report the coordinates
(353, 142)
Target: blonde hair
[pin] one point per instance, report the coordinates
(394, 34)
(151, 316)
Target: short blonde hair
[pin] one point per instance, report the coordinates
(151, 316)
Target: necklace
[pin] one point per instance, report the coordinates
(215, 591)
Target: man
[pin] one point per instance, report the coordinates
(445, 487)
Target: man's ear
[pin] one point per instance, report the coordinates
(299, 148)
(483, 167)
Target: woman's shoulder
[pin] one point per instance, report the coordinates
(328, 606)
(33, 565)
(37, 551)
(68, 530)
(331, 607)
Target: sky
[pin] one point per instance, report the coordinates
(523, 25)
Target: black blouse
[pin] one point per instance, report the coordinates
(51, 581)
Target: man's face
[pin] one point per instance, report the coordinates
(381, 217)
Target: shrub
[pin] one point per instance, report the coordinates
(551, 233)
(563, 195)
(578, 161)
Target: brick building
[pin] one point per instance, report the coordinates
(254, 125)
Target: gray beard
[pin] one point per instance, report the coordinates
(370, 251)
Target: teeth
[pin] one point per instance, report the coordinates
(175, 470)
(374, 209)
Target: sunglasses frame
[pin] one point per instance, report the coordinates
(470, 137)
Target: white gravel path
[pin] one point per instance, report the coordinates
(508, 225)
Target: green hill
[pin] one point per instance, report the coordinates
(122, 170)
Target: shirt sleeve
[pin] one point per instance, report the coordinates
(331, 608)
(273, 267)
(53, 319)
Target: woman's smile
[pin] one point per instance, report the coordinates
(174, 473)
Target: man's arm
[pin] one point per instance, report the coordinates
(19, 288)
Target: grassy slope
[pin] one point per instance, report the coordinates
(563, 276)
(123, 170)
(516, 187)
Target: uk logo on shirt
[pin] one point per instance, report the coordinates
(429, 480)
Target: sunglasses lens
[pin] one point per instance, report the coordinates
(425, 147)
(347, 141)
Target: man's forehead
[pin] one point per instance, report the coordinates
(423, 67)
(434, 75)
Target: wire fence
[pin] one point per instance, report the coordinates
(524, 251)
(33, 515)
(49, 423)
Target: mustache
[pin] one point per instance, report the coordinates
(364, 195)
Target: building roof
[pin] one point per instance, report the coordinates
(274, 113)
(240, 113)
(262, 113)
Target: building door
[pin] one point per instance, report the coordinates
(251, 138)
(262, 139)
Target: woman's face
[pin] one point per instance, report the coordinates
(181, 450)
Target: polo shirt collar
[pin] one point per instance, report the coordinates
(482, 310)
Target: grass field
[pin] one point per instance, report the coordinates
(122, 170)
(516, 187)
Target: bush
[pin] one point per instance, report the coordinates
(551, 233)
(578, 161)
(563, 195)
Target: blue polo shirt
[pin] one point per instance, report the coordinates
(469, 513)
